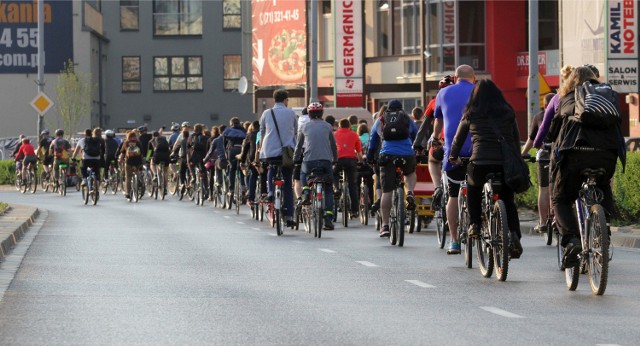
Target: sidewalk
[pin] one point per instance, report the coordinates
(13, 225)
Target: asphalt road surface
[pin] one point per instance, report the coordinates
(168, 272)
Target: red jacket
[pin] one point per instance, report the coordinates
(348, 143)
(26, 149)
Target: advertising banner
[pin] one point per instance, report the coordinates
(583, 32)
(19, 35)
(279, 42)
(348, 61)
(622, 45)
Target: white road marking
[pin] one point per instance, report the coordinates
(240, 223)
(273, 235)
(500, 312)
(367, 264)
(227, 216)
(327, 250)
(420, 283)
(255, 228)
(217, 211)
(298, 241)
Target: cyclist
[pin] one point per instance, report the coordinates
(179, 151)
(27, 155)
(278, 128)
(365, 172)
(576, 148)
(159, 154)
(197, 150)
(396, 130)
(318, 153)
(297, 184)
(376, 168)
(487, 113)
(144, 138)
(434, 145)
(91, 152)
(450, 103)
(43, 152)
(349, 154)
(332, 121)
(233, 136)
(247, 157)
(111, 148)
(175, 133)
(15, 151)
(132, 157)
(217, 154)
(543, 167)
(60, 148)
(353, 123)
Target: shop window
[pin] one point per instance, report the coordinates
(548, 35)
(232, 71)
(177, 73)
(131, 74)
(129, 15)
(177, 17)
(231, 15)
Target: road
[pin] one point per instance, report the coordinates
(168, 272)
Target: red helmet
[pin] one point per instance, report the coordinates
(314, 106)
(446, 81)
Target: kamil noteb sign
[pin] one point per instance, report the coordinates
(622, 45)
(19, 35)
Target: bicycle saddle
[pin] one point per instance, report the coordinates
(399, 162)
(591, 172)
(318, 171)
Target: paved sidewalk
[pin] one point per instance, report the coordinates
(13, 225)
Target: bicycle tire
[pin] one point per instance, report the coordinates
(466, 243)
(548, 237)
(412, 221)
(63, 185)
(319, 222)
(173, 183)
(393, 216)
(23, 185)
(401, 215)
(261, 212)
(134, 189)
(306, 219)
(441, 228)
(34, 181)
(468, 251)
(278, 221)
(85, 194)
(345, 202)
(364, 206)
(484, 251)
(44, 182)
(114, 182)
(598, 242)
(502, 235)
(163, 185)
(96, 192)
(419, 224)
(236, 194)
(559, 250)
(572, 276)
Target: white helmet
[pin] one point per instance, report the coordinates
(109, 133)
(186, 124)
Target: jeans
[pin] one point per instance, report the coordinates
(287, 175)
(307, 167)
(253, 182)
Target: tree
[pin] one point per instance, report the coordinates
(74, 91)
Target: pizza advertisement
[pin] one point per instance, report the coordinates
(279, 42)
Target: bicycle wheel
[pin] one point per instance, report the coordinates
(502, 236)
(278, 221)
(484, 250)
(63, 185)
(598, 242)
(364, 205)
(163, 186)
(548, 237)
(441, 227)
(261, 212)
(466, 243)
(114, 182)
(306, 219)
(95, 196)
(148, 183)
(572, 276)
(559, 250)
(393, 218)
(319, 221)
(401, 215)
(198, 195)
(33, 181)
(173, 183)
(237, 195)
(345, 205)
(23, 184)
(44, 182)
(85, 194)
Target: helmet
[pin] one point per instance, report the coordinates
(25, 140)
(593, 69)
(446, 81)
(175, 127)
(314, 106)
(186, 124)
(109, 133)
(44, 132)
(142, 128)
(59, 132)
(394, 104)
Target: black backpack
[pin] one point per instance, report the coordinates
(596, 105)
(91, 146)
(199, 143)
(395, 125)
(162, 145)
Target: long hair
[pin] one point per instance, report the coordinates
(215, 132)
(487, 100)
(577, 77)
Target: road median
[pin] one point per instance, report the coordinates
(14, 223)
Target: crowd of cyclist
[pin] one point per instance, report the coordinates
(467, 119)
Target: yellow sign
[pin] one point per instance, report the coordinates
(544, 89)
(42, 103)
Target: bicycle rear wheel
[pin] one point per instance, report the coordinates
(237, 194)
(559, 250)
(85, 194)
(548, 236)
(95, 196)
(502, 236)
(364, 205)
(572, 276)
(441, 227)
(63, 185)
(466, 243)
(319, 220)
(393, 220)
(484, 251)
(278, 220)
(401, 215)
(598, 242)
(33, 181)
(44, 182)
(345, 203)
(134, 188)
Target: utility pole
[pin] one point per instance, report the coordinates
(533, 94)
(40, 81)
(313, 50)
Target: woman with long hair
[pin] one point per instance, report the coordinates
(488, 113)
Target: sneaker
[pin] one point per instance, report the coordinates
(516, 246)
(411, 201)
(570, 258)
(328, 222)
(291, 223)
(355, 214)
(384, 231)
(375, 206)
(454, 248)
(437, 196)
(474, 231)
(540, 229)
(127, 196)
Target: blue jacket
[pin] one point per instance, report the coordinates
(400, 147)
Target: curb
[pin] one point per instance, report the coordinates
(13, 225)
(620, 236)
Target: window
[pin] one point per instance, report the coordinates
(177, 73)
(177, 17)
(129, 15)
(131, 74)
(456, 35)
(231, 18)
(548, 37)
(232, 71)
(383, 47)
(406, 27)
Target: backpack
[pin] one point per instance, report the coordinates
(162, 145)
(395, 125)
(596, 105)
(61, 149)
(111, 147)
(133, 149)
(91, 146)
(199, 143)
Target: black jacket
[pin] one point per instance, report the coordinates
(248, 154)
(486, 146)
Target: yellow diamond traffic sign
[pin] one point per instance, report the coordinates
(42, 103)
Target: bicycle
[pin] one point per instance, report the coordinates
(442, 226)
(18, 181)
(493, 244)
(45, 179)
(237, 190)
(185, 187)
(594, 235)
(148, 179)
(199, 189)
(114, 179)
(137, 186)
(91, 190)
(466, 242)
(159, 186)
(173, 179)
(364, 203)
(275, 209)
(258, 207)
(61, 183)
(398, 211)
(313, 213)
(30, 182)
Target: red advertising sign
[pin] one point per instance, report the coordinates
(348, 61)
(279, 42)
(522, 63)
